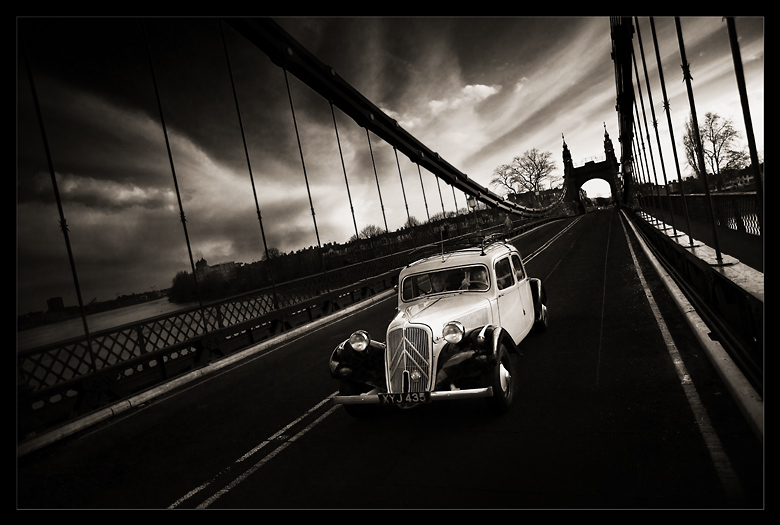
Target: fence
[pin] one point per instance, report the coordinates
(736, 211)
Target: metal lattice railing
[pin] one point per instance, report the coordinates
(736, 211)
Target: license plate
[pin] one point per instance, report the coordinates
(407, 398)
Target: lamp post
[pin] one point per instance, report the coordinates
(471, 202)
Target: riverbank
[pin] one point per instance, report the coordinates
(74, 327)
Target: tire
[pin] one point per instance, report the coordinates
(348, 388)
(502, 381)
(540, 307)
(541, 324)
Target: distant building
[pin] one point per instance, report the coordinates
(226, 271)
(55, 304)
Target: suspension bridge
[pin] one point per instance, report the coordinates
(703, 241)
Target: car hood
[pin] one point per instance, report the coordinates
(472, 310)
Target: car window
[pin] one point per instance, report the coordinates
(504, 278)
(517, 263)
(464, 278)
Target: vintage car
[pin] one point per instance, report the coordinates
(461, 315)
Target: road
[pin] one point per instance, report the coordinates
(619, 408)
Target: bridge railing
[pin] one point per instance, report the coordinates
(736, 211)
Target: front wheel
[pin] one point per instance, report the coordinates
(500, 378)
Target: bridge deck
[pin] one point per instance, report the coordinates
(603, 419)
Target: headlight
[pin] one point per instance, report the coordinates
(453, 332)
(359, 340)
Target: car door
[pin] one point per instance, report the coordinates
(524, 290)
(511, 310)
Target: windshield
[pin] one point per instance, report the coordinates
(468, 278)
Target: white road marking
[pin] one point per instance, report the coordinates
(274, 438)
(552, 240)
(729, 480)
(279, 434)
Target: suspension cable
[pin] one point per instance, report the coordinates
(671, 132)
(63, 223)
(403, 191)
(659, 204)
(419, 172)
(654, 121)
(344, 168)
(173, 173)
(249, 166)
(376, 176)
(642, 155)
(740, 74)
(695, 123)
(643, 116)
(303, 164)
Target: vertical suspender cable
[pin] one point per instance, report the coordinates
(457, 210)
(638, 173)
(641, 148)
(737, 57)
(438, 186)
(63, 223)
(647, 133)
(644, 175)
(344, 168)
(671, 132)
(419, 172)
(376, 177)
(445, 224)
(249, 166)
(655, 124)
(695, 123)
(173, 173)
(403, 191)
(303, 164)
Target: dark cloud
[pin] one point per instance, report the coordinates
(477, 90)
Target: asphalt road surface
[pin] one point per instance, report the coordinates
(618, 408)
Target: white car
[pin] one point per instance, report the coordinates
(461, 315)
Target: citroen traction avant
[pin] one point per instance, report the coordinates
(461, 317)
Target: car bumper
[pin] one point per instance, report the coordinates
(372, 397)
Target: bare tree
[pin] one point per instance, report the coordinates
(368, 232)
(717, 141)
(273, 253)
(411, 222)
(524, 174)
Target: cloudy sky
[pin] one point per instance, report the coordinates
(479, 91)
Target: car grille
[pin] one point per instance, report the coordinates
(409, 359)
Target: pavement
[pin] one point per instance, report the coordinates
(745, 247)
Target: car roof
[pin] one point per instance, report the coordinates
(485, 252)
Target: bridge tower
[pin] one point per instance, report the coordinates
(607, 169)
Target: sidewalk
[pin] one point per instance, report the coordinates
(747, 248)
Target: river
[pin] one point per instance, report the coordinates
(51, 333)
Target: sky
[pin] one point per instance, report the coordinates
(479, 91)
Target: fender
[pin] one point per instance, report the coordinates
(367, 367)
(474, 355)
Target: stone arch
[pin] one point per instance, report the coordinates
(607, 170)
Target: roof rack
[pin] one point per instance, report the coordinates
(462, 242)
